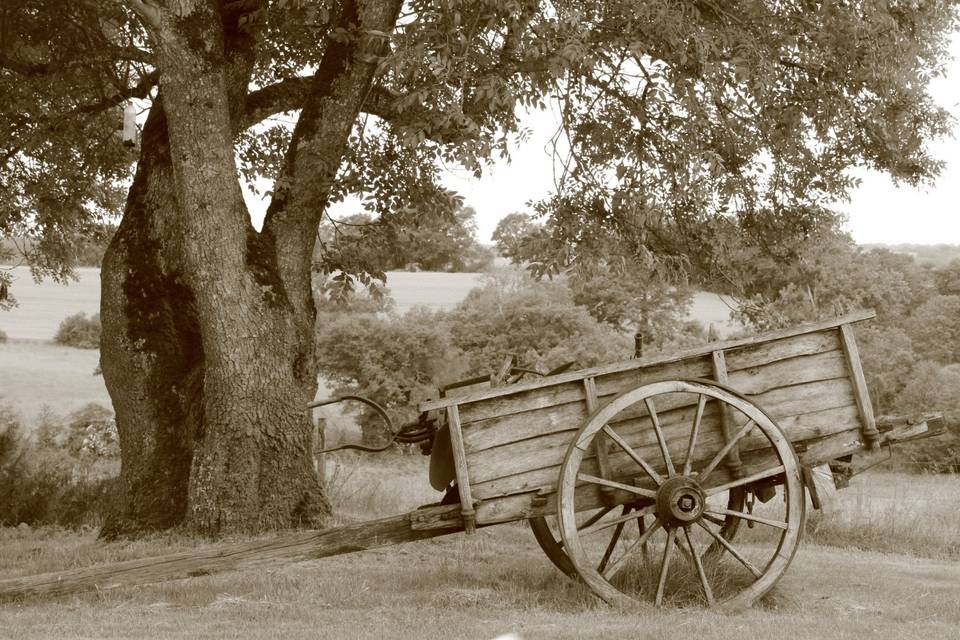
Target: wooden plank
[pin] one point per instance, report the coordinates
(860, 386)
(785, 373)
(641, 363)
(720, 375)
(529, 476)
(609, 385)
(802, 345)
(460, 464)
(545, 418)
(291, 547)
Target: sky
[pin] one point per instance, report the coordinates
(878, 211)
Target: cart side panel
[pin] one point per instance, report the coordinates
(516, 443)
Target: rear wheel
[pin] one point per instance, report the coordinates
(665, 543)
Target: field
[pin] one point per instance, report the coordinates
(35, 374)
(883, 560)
(498, 582)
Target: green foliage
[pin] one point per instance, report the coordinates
(539, 322)
(934, 387)
(333, 294)
(935, 329)
(947, 278)
(826, 276)
(3, 336)
(442, 241)
(79, 331)
(512, 233)
(401, 360)
(888, 358)
(677, 114)
(60, 475)
(396, 361)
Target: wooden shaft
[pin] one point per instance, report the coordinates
(460, 464)
(726, 421)
(871, 435)
(304, 545)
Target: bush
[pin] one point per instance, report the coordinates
(3, 336)
(54, 477)
(536, 321)
(79, 331)
(932, 387)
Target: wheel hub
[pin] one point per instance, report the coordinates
(680, 501)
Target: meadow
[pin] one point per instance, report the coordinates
(842, 584)
(882, 560)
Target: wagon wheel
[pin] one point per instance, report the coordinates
(547, 533)
(653, 426)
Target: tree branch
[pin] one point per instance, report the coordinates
(290, 94)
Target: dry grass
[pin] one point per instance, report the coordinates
(917, 515)
(498, 581)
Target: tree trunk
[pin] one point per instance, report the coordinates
(208, 345)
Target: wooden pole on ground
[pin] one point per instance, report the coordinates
(424, 523)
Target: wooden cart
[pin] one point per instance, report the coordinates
(671, 478)
(684, 448)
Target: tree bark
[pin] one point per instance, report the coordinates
(208, 347)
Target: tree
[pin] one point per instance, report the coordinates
(444, 241)
(511, 233)
(689, 125)
(948, 278)
(536, 321)
(935, 329)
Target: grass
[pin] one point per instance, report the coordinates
(844, 583)
(34, 375)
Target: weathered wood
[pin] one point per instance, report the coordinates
(226, 557)
(642, 363)
(544, 415)
(560, 424)
(757, 370)
(600, 442)
(805, 344)
(859, 386)
(460, 465)
(642, 440)
(720, 375)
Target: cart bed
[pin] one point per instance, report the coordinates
(512, 440)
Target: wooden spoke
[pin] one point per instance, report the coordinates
(639, 513)
(688, 463)
(707, 591)
(747, 428)
(592, 519)
(736, 554)
(715, 520)
(641, 541)
(646, 493)
(749, 516)
(665, 565)
(739, 482)
(660, 439)
(633, 454)
(614, 539)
